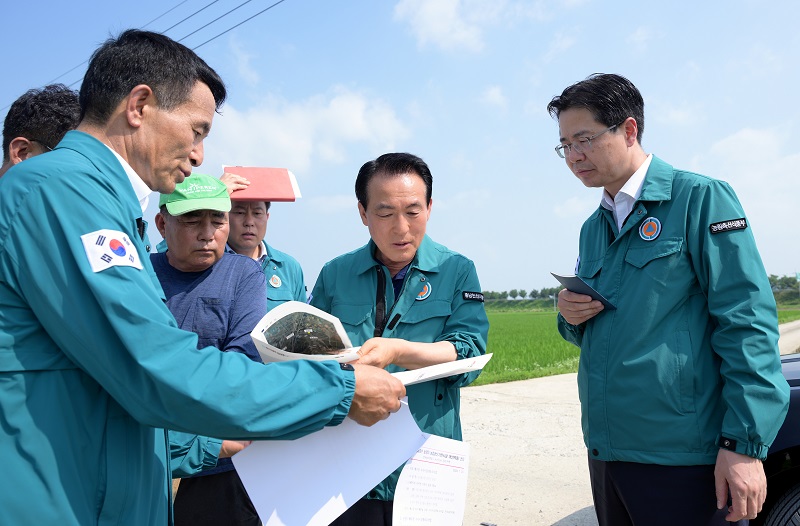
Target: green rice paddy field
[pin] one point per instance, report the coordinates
(526, 344)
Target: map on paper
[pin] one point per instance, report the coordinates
(298, 331)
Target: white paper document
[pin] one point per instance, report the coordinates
(432, 488)
(314, 479)
(442, 370)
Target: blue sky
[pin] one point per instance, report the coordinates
(321, 87)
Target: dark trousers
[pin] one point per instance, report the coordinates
(214, 500)
(367, 512)
(631, 494)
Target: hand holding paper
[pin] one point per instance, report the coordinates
(381, 352)
(234, 182)
(377, 395)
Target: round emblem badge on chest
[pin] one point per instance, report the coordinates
(275, 281)
(650, 229)
(425, 292)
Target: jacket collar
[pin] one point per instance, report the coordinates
(427, 258)
(105, 160)
(657, 184)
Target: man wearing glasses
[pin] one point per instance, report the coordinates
(680, 386)
(36, 122)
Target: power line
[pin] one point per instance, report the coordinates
(147, 24)
(190, 16)
(186, 36)
(240, 23)
(219, 17)
(168, 11)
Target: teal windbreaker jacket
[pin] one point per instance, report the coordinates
(691, 352)
(93, 366)
(440, 301)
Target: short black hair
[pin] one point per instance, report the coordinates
(611, 99)
(43, 115)
(143, 57)
(393, 164)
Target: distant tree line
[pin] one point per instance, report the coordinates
(521, 294)
(785, 289)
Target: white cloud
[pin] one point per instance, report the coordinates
(762, 169)
(243, 61)
(277, 132)
(639, 39)
(440, 22)
(461, 24)
(557, 47)
(493, 96)
(672, 112)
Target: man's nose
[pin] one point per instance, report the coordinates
(401, 224)
(207, 230)
(196, 155)
(573, 155)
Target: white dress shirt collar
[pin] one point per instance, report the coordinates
(622, 203)
(141, 190)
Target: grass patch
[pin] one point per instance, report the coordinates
(526, 345)
(784, 316)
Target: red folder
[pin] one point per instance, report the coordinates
(266, 184)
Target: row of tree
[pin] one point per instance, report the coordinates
(521, 294)
(778, 284)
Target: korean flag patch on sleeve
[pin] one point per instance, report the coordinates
(110, 248)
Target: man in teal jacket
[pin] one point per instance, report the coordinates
(407, 301)
(248, 220)
(681, 387)
(93, 366)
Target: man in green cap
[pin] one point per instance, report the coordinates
(220, 299)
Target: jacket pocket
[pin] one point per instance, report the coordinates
(660, 260)
(589, 268)
(280, 295)
(423, 322)
(353, 315)
(427, 310)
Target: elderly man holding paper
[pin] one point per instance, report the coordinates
(407, 301)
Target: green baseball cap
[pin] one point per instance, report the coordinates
(197, 192)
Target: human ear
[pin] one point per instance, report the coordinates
(20, 149)
(161, 224)
(140, 97)
(363, 213)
